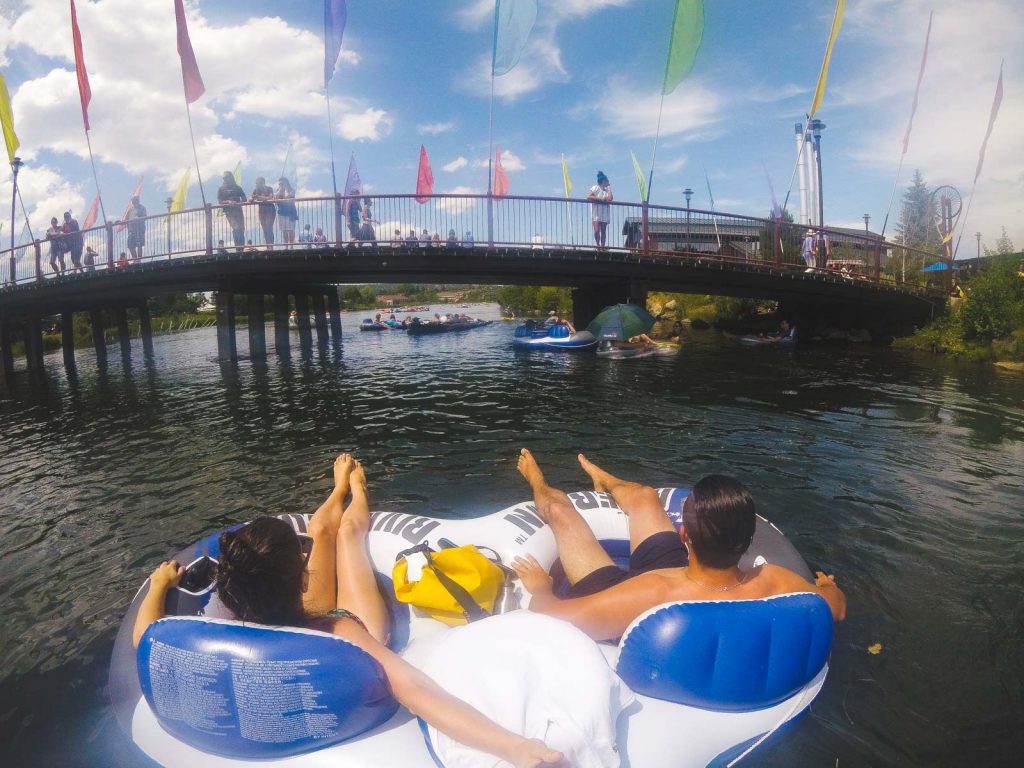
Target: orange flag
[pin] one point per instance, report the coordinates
(90, 217)
(500, 177)
(122, 225)
(190, 77)
(424, 178)
(84, 91)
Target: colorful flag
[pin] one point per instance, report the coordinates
(123, 223)
(178, 201)
(687, 32)
(237, 173)
(353, 184)
(641, 182)
(513, 21)
(84, 91)
(190, 76)
(424, 178)
(500, 177)
(917, 88)
(565, 179)
(7, 121)
(90, 217)
(335, 16)
(991, 121)
(819, 92)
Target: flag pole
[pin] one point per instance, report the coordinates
(95, 177)
(195, 155)
(330, 138)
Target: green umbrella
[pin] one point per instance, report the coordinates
(621, 321)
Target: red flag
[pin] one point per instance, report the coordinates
(424, 178)
(500, 177)
(122, 225)
(190, 76)
(90, 217)
(84, 91)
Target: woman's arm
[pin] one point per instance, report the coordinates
(425, 698)
(166, 575)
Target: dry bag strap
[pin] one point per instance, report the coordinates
(470, 607)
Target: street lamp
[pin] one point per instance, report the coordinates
(169, 202)
(688, 193)
(867, 219)
(816, 127)
(15, 167)
(978, 236)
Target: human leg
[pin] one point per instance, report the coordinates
(357, 585)
(646, 513)
(578, 548)
(321, 591)
(267, 223)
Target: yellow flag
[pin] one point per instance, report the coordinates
(238, 173)
(641, 182)
(565, 179)
(819, 92)
(7, 119)
(178, 201)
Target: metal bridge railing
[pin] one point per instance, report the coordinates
(480, 222)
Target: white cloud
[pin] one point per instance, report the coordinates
(690, 113)
(509, 161)
(370, 124)
(435, 129)
(46, 194)
(459, 204)
(456, 164)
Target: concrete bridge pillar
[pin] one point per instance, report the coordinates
(146, 330)
(225, 306)
(123, 334)
(588, 300)
(34, 344)
(99, 340)
(334, 308)
(6, 358)
(320, 319)
(281, 336)
(257, 329)
(302, 310)
(67, 339)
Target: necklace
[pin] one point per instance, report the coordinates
(713, 588)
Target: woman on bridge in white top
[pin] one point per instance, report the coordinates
(599, 196)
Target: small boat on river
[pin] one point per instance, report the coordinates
(530, 336)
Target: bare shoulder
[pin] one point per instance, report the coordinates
(779, 579)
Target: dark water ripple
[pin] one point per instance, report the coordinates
(901, 475)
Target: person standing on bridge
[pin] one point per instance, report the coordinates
(600, 195)
(287, 213)
(74, 240)
(136, 221)
(231, 196)
(264, 195)
(822, 250)
(58, 246)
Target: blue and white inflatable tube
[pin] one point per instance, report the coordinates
(714, 680)
(552, 337)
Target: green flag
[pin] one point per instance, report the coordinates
(640, 181)
(687, 31)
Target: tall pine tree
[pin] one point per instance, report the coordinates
(916, 228)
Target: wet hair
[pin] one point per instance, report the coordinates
(719, 518)
(259, 574)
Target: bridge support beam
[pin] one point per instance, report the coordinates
(67, 339)
(34, 344)
(257, 329)
(320, 319)
(302, 310)
(334, 309)
(281, 335)
(6, 358)
(146, 330)
(225, 306)
(123, 334)
(99, 340)
(588, 300)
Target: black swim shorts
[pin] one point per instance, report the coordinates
(660, 550)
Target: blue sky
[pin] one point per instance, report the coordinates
(588, 85)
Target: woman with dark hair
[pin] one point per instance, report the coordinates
(366, 233)
(287, 213)
(264, 577)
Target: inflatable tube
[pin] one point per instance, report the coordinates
(427, 329)
(658, 349)
(552, 337)
(713, 679)
(788, 340)
(370, 325)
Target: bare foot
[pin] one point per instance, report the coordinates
(529, 469)
(601, 479)
(547, 501)
(358, 480)
(343, 466)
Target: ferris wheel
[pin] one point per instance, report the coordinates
(946, 207)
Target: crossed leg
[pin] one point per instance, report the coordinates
(578, 548)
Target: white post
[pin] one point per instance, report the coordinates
(812, 174)
(802, 167)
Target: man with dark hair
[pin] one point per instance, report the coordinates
(699, 562)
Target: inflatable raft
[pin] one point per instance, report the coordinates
(609, 351)
(714, 680)
(552, 337)
(788, 340)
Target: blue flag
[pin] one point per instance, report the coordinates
(335, 15)
(513, 21)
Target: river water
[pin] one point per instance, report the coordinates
(902, 475)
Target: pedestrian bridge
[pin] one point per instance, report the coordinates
(452, 239)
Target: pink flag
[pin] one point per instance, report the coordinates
(84, 91)
(122, 225)
(190, 76)
(991, 121)
(500, 177)
(90, 217)
(917, 88)
(424, 178)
